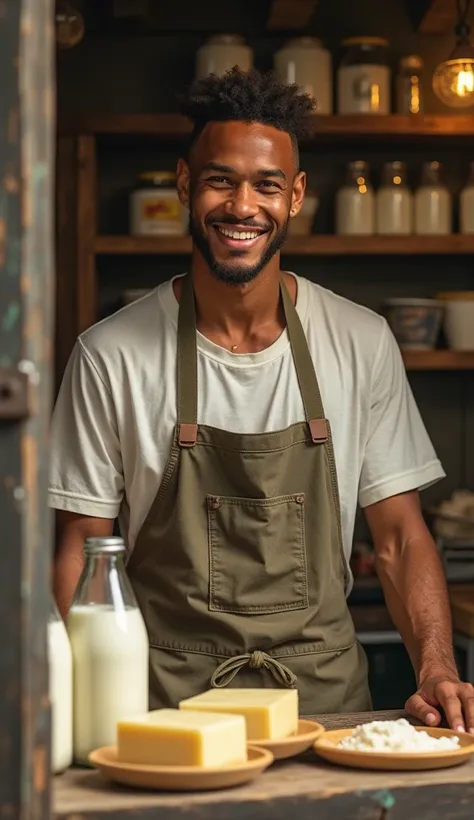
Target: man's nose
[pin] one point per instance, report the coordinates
(242, 203)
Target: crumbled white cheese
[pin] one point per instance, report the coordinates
(395, 736)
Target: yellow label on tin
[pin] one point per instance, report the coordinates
(160, 210)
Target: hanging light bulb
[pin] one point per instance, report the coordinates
(453, 80)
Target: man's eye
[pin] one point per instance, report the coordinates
(219, 181)
(269, 185)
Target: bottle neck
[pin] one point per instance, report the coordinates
(104, 582)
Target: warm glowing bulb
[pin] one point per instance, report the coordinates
(453, 82)
(397, 180)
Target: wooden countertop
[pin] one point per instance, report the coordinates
(308, 787)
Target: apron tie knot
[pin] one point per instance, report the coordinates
(228, 669)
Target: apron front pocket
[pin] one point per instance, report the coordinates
(257, 554)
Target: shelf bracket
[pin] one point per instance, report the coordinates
(432, 16)
(290, 14)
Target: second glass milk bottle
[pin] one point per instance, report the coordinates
(433, 202)
(109, 644)
(355, 210)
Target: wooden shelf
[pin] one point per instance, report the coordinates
(350, 127)
(316, 245)
(438, 360)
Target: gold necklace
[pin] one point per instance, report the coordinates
(233, 348)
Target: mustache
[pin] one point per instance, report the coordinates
(245, 223)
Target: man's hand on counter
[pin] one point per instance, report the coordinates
(448, 693)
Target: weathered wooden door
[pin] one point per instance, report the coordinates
(27, 128)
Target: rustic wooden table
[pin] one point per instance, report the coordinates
(306, 788)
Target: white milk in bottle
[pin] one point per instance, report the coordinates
(110, 648)
(60, 692)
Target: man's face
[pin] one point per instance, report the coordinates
(240, 185)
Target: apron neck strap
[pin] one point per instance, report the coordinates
(187, 368)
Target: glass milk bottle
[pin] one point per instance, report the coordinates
(355, 212)
(60, 691)
(394, 202)
(467, 204)
(433, 204)
(110, 648)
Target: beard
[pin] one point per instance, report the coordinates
(231, 272)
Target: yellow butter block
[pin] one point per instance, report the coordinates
(270, 714)
(169, 737)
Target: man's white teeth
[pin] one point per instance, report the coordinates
(238, 234)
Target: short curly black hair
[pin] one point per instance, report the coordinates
(249, 96)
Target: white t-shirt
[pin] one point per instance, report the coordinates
(114, 418)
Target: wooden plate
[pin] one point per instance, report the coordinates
(326, 747)
(179, 778)
(308, 731)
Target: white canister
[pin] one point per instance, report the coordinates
(221, 53)
(394, 202)
(459, 319)
(155, 209)
(433, 203)
(467, 204)
(305, 61)
(363, 79)
(355, 203)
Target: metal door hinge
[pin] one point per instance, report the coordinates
(15, 394)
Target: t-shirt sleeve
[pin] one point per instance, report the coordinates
(399, 455)
(86, 475)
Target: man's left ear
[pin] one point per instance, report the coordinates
(297, 195)
(182, 182)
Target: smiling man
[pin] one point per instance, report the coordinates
(232, 420)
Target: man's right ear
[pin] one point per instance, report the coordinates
(182, 182)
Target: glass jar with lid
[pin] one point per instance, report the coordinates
(433, 202)
(467, 204)
(155, 209)
(355, 208)
(109, 645)
(409, 91)
(220, 53)
(363, 79)
(305, 61)
(394, 201)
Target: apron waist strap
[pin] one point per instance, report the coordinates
(228, 669)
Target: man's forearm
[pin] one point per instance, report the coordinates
(415, 589)
(67, 570)
(73, 529)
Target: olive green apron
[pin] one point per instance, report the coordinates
(239, 569)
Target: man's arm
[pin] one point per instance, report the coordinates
(73, 529)
(414, 585)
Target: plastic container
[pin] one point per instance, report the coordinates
(363, 79)
(305, 61)
(459, 319)
(415, 323)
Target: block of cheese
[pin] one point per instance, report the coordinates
(169, 737)
(270, 714)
